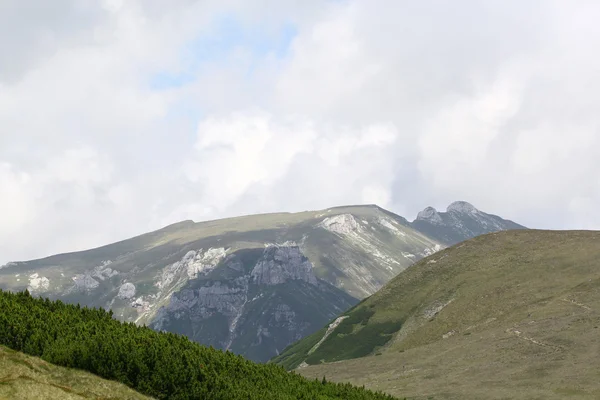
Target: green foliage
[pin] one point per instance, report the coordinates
(294, 354)
(355, 337)
(162, 365)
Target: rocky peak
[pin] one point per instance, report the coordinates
(462, 207)
(281, 263)
(430, 214)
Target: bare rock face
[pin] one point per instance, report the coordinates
(342, 224)
(89, 280)
(226, 299)
(281, 263)
(277, 265)
(202, 262)
(126, 291)
(220, 298)
(193, 264)
(429, 251)
(38, 283)
(431, 215)
(103, 272)
(85, 282)
(246, 309)
(462, 207)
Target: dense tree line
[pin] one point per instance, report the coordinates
(162, 365)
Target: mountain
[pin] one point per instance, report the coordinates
(505, 315)
(460, 222)
(251, 284)
(26, 377)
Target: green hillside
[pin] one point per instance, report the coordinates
(161, 365)
(26, 377)
(505, 315)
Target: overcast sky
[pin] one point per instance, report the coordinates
(119, 117)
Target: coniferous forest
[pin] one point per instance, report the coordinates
(161, 365)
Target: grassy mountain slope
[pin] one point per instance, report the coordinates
(25, 377)
(505, 315)
(142, 256)
(162, 365)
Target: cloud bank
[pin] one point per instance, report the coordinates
(117, 117)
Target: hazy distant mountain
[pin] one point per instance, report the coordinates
(461, 221)
(251, 284)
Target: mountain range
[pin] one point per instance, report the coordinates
(252, 284)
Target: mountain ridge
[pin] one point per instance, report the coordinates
(192, 274)
(460, 221)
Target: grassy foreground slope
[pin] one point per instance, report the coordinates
(161, 365)
(505, 315)
(26, 377)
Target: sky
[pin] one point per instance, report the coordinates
(120, 117)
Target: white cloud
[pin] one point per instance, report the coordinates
(403, 104)
(244, 162)
(15, 199)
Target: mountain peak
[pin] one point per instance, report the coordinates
(462, 207)
(429, 214)
(459, 222)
